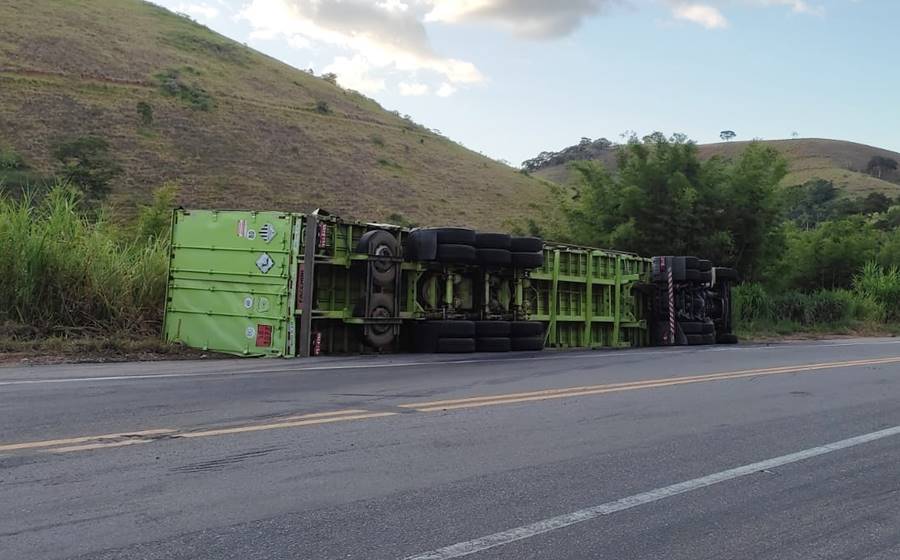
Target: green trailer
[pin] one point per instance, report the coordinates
(285, 284)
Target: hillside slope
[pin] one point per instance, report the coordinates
(234, 128)
(841, 162)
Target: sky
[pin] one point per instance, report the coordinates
(512, 78)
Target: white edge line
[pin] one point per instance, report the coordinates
(527, 531)
(574, 356)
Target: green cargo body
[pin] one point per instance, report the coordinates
(237, 283)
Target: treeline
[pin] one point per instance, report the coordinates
(812, 251)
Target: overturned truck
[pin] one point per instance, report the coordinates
(284, 284)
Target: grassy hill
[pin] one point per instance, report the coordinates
(843, 163)
(233, 127)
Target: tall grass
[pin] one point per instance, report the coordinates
(882, 285)
(65, 273)
(755, 308)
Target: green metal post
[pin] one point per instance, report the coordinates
(587, 338)
(617, 318)
(554, 304)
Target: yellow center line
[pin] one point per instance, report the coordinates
(281, 425)
(87, 443)
(76, 440)
(471, 402)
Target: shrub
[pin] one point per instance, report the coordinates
(10, 160)
(195, 96)
(145, 113)
(86, 163)
(155, 220)
(323, 107)
(378, 140)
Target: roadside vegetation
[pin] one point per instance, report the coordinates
(75, 276)
(813, 259)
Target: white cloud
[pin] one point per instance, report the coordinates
(537, 19)
(702, 14)
(446, 90)
(412, 89)
(798, 6)
(355, 73)
(386, 35)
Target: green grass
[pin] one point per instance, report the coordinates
(264, 138)
(68, 275)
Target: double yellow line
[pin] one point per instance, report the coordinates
(87, 443)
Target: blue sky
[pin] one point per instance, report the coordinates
(511, 78)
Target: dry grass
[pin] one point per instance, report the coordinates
(70, 68)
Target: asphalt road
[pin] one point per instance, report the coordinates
(788, 451)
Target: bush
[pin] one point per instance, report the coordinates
(66, 274)
(323, 107)
(10, 160)
(155, 220)
(172, 84)
(145, 113)
(86, 163)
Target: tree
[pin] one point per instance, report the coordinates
(331, 78)
(663, 200)
(727, 135)
(879, 164)
(86, 163)
(875, 203)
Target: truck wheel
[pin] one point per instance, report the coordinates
(692, 327)
(455, 345)
(691, 263)
(528, 343)
(381, 306)
(494, 344)
(521, 329)
(421, 245)
(705, 277)
(696, 339)
(526, 244)
(704, 265)
(528, 260)
(728, 274)
(727, 338)
(494, 257)
(381, 243)
(492, 329)
(492, 241)
(450, 253)
(455, 236)
(692, 275)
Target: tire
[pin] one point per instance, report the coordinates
(695, 339)
(706, 277)
(727, 274)
(522, 329)
(493, 241)
(421, 245)
(704, 265)
(526, 244)
(455, 236)
(709, 338)
(727, 338)
(691, 263)
(451, 329)
(528, 260)
(692, 327)
(494, 257)
(455, 345)
(381, 243)
(492, 329)
(528, 343)
(692, 275)
(493, 344)
(380, 306)
(456, 254)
